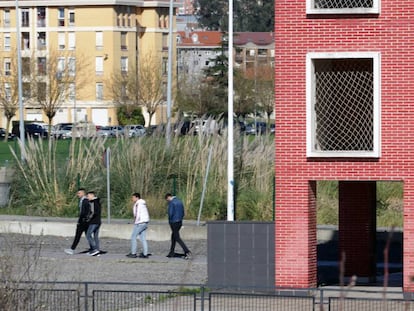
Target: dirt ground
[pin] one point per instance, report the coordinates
(42, 258)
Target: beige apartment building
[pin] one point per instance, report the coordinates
(101, 37)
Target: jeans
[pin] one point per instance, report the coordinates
(93, 236)
(140, 230)
(175, 238)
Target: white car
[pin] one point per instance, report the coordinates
(135, 130)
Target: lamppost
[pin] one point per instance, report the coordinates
(19, 83)
(230, 134)
(169, 74)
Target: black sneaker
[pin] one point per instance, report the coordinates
(143, 256)
(170, 255)
(188, 255)
(132, 255)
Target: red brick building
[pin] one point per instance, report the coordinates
(344, 112)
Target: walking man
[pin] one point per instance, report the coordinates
(94, 223)
(141, 219)
(175, 219)
(82, 225)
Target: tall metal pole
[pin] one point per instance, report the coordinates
(19, 83)
(230, 147)
(169, 81)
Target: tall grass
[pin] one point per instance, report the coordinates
(45, 184)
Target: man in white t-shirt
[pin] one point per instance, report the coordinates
(141, 217)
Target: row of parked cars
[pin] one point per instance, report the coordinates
(69, 130)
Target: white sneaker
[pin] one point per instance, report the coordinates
(69, 251)
(93, 253)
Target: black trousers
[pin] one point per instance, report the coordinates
(175, 237)
(80, 228)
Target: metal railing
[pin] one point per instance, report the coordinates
(102, 296)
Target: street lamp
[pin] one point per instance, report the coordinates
(19, 83)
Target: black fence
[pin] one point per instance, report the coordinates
(97, 296)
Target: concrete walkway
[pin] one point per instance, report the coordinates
(117, 228)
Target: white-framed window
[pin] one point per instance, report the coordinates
(61, 17)
(25, 40)
(99, 91)
(124, 43)
(7, 42)
(71, 41)
(343, 104)
(124, 64)
(61, 40)
(72, 66)
(60, 67)
(71, 17)
(99, 65)
(343, 7)
(72, 92)
(41, 40)
(25, 17)
(6, 18)
(7, 66)
(7, 91)
(99, 40)
(41, 66)
(41, 16)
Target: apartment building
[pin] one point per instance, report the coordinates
(195, 49)
(95, 39)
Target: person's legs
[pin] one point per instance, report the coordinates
(172, 247)
(90, 238)
(142, 229)
(96, 237)
(178, 238)
(134, 235)
(80, 228)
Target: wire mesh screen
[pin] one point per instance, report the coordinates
(142, 300)
(367, 304)
(41, 299)
(344, 105)
(343, 4)
(257, 302)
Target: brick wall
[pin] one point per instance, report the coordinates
(391, 33)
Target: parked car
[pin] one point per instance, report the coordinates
(254, 128)
(183, 128)
(36, 130)
(135, 130)
(105, 131)
(62, 130)
(3, 134)
(117, 131)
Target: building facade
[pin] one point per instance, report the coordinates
(344, 105)
(195, 49)
(95, 39)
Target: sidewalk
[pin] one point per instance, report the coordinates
(159, 230)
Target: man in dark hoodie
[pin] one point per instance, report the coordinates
(82, 225)
(94, 219)
(175, 219)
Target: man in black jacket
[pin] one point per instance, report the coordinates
(82, 225)
(94, 223)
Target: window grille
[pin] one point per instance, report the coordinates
(343, 107)
(343, 6)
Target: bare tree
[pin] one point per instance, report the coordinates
(124, 89)
(264, 85)
(138, 86)
(57, 78)
(150, 84)
(9, 94)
